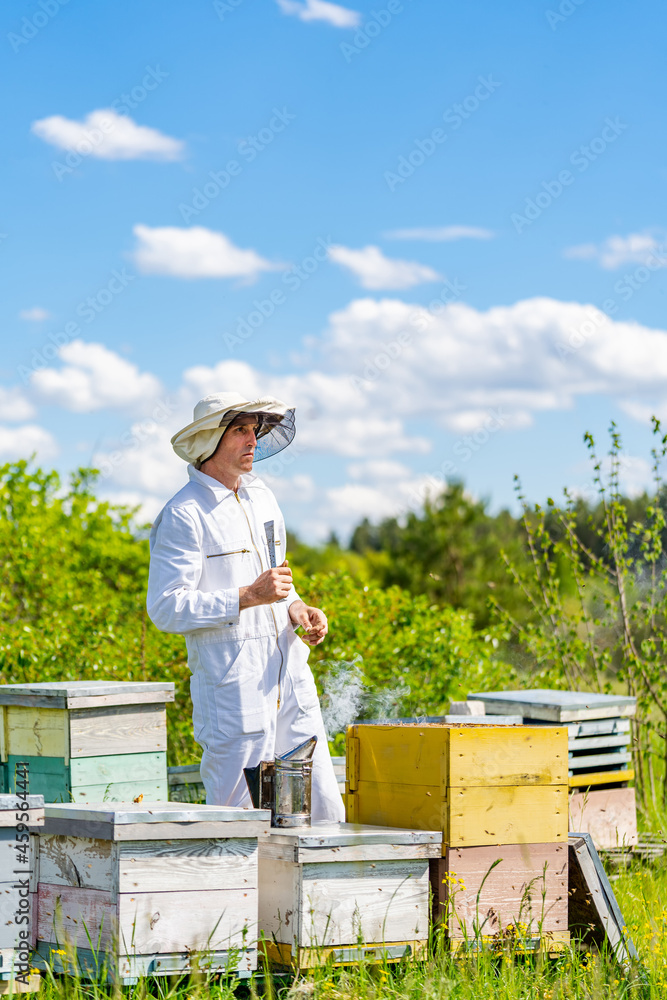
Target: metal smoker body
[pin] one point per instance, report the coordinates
(284, 785)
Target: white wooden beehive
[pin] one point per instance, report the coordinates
(344, 892)
(152, 884)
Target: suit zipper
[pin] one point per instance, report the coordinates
(273, 614)
(234, 552)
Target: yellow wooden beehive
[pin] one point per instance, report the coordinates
(478, 784)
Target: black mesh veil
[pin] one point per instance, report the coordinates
(275, 432)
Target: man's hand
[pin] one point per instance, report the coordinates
(269, 587)
(313, 621)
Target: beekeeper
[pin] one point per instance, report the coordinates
(253, 693)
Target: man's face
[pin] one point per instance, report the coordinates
(237, 447)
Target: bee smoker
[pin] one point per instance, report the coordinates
(283, 785)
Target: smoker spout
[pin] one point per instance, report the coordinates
(304, 751)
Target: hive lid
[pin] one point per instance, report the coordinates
(557, 706)
(349, 835)
(12, 812)
(123, 813)
(86, 694)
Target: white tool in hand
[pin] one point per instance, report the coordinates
(269, 528)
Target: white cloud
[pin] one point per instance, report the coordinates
(22, 442)
(375, 271)
(35, 315)
(195, 253)
(108, 136)
(440, 234)
(14, 406)
(95, 378)
(321, 10)
(617, 251)
(512, 361)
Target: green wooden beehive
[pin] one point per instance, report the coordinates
(87, 741)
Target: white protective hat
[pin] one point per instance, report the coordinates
(213, 414)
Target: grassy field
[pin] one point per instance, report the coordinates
(574, 975)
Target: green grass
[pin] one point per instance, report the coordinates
(642, 896)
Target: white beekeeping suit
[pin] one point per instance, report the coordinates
(253, 693)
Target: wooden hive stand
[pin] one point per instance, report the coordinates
(344, 893)
(87, 741)
(159, 888)
(499, 796)
(20, 816)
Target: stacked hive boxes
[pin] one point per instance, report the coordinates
(344, 893)
(499, 795)
(156, 888)
(599, 757)
(19, 817)
(87, 741)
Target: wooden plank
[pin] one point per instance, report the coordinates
(595, 915)
(351, 901)
(348, 834)
(15, 863)
(47, 776)
(77, 861)
(12, 813)
(556, 706)
(396, 805)
(282, 956)
(16, 901)
(523, 814)
(428, 755)
(176, 921)
(3, 734)
(407, 755)
(37, 732)
(486, 890)
(600, 727)
(189, 774)
(126, 970)
(609, 815)
(598, 760)
(12, 986)
(126, 729)
(601, 778)
(468, 817)
(123, 791)
(187, 865)
(535, 755)
(68, 915)
(552, 944)
(598, 742)
(279, 901)
(160, 697)
(56, 691)
(116, 768)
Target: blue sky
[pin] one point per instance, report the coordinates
(483, 185)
